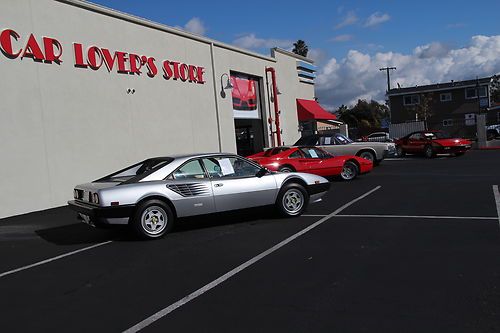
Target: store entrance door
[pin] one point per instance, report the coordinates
(249, 136)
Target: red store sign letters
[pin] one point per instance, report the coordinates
(49, 50)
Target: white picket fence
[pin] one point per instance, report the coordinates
(400, 130)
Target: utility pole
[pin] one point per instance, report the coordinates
(388, 69)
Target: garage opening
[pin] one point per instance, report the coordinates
(247, 111)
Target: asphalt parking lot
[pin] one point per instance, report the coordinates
(413, 246)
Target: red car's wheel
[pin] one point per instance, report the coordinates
(428, 152)
(349, 171)
(285, 168)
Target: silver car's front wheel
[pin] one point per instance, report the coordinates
(292, 200)
(153, 219)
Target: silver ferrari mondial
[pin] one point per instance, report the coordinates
(151, 194)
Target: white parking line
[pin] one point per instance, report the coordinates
(162, 313)
(422, 217)
(53, 259)
(496, 193)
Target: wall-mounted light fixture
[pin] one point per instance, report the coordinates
(228, 85)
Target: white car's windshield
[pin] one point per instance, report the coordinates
(342, 139)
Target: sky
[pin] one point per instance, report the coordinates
(427, 41)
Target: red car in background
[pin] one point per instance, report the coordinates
(312, 160)
(431, 143)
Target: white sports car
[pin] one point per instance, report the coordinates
(151, 194)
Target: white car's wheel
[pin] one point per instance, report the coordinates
(292, 200)
(153, 219)
(367, 155)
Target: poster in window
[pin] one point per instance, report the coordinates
(246, 96)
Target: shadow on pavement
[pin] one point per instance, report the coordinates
(78, 233)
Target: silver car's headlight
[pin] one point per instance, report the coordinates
(96, 198)
(75, 194)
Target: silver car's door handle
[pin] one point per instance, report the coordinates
(218, 185)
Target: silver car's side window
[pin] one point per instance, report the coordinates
(190, 170)
(213, 168)
(229, 167)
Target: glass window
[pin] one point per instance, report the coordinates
(472, 92)
(445, 97)
(342, 139)
(295, 154)
(227, 167)
(326, 140)
(310, 152)
(416, 136)
(275, 151)
(448, 122)
(190, 170)
(411, 100)
(138, 169)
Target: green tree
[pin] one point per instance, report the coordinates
(364, 115)
(300, 48)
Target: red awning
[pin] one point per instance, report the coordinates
(311, 110)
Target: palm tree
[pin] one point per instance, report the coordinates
(300, 48)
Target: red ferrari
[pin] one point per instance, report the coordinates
(431, 143)
(312, 160)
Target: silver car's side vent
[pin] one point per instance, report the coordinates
(189, 190)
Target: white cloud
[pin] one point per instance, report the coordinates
(357, 75)
(342, 38)
(376, 18)
(350, 19)
(319, 56)
(195, 26)
(252, 42)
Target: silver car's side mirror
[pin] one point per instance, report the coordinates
(261, 172)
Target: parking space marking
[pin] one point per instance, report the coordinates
(434, 217)
(496, 193)
(162, 313)
(52, 259)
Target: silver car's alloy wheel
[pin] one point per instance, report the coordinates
(293, 201)
(348, 171)
(367, 156)
(154, 220)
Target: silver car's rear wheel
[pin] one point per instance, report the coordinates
(154, 219)
(292, 200)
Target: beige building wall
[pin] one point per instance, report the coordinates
(61, 125)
